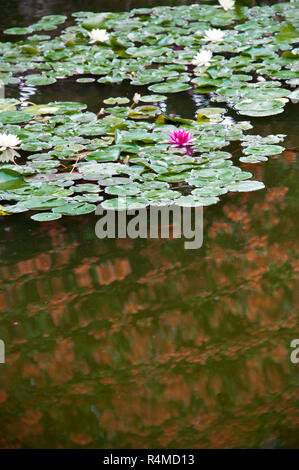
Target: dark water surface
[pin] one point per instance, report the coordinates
(141, 343)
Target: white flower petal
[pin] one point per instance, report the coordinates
(227, 4)
(8, 141)
(136, 98)
(214, 35)
(203, 58)
(98, 35)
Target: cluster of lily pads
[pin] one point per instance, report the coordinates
(76, 159)
(247, 57)
(73, 159)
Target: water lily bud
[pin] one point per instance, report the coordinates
(136, 98)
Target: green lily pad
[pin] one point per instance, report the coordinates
(170, 87)
(263, 149)
(106, 155)
(260, 108)
(45, 216)
(129, 203)
(246, 186)
(43, 202)
(41, 80)
(192, 201)
(10, 179)
(153, 98)
(18, 30)
(123, 190)
(12, 117)
(85, 80)
(75, 208)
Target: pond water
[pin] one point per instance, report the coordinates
(141, 343)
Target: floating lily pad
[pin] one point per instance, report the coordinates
(12, 117)
(10, 179)
(170, 87)
(74, 208)
(246, 186)
(85, 80)
(114, 181)
(43, 202)
(263, 149)
(153, 98)
(192, 201)
(40, 80)
(106, 155)
(18, 30)
(45, 216)
(119, 204)
(260, 108)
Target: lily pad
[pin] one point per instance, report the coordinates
(74, 208)
(170, 87)
(11, 117)
(246, 186)
(10, 179)
(45, 216)
(106, 155)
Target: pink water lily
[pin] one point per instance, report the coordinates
(180, 137)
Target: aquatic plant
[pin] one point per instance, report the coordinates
(214, 35)
(98, 35)
(203, 58)
(180, 137)
(258, 41)
(70, 153)
(80, 159)
(227, 4)
(8, 144)
(136, 98)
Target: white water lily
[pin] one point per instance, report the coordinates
(48, 110)
(227, 4)
(203, 58)
(9, 141)
(214, 35)
(8, 144)
(136, 98)
(98, 35)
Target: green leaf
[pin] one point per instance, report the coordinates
(75, 208)
(107, 155)
(45, 216)
(170, 87)
(263, 149)
(246, 186)
(10, 179)
(9, 117)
